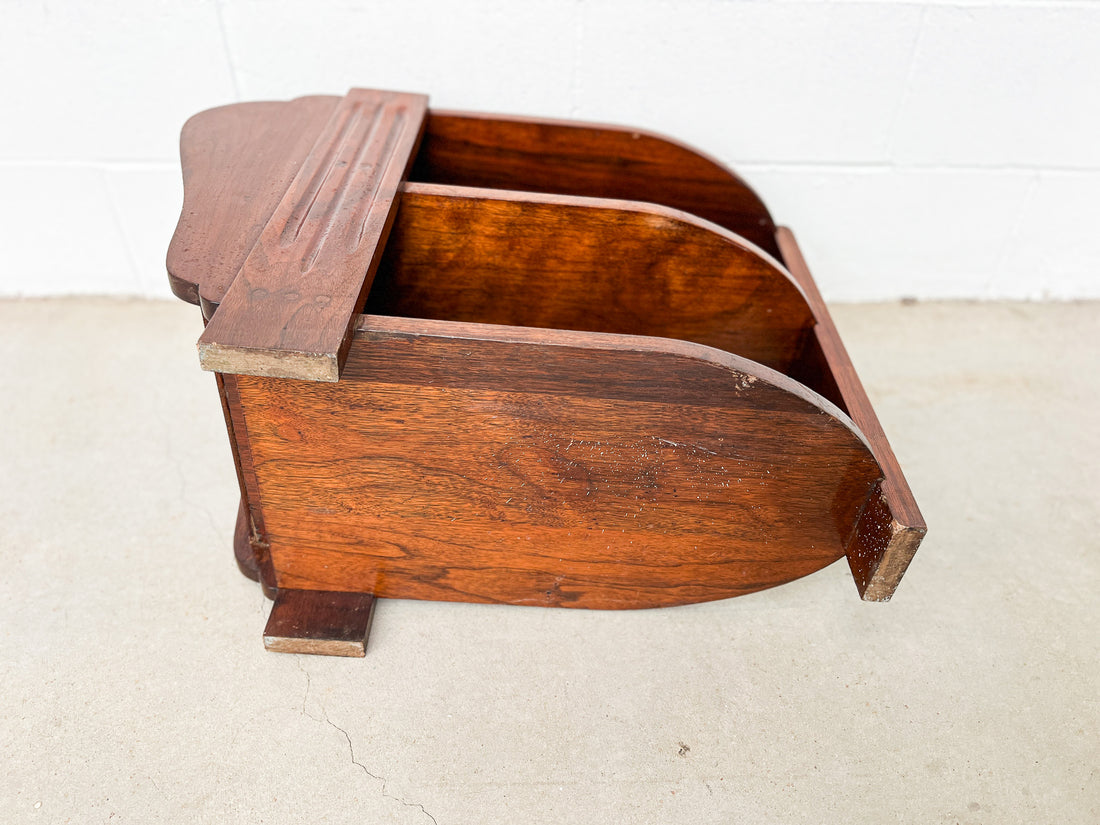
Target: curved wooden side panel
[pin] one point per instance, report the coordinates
(586, 264)
(480, 463)
(592, 160)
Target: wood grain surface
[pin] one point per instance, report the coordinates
(503, 430)
(481, 463)
(290, 309)
(238, 162)
(591, 160)
(892, 527)
(586, 264)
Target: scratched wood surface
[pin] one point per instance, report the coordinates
(290, 308)
(561, 262)
(481, 463)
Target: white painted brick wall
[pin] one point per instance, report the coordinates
(931, 149)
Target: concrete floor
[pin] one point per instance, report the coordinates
(136, 687)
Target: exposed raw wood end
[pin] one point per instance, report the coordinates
(900, 550)
(318, 647)
(880, 549)
(270, 363)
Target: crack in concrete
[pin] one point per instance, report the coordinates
(351, 747)
(382, 779)
(165, 433)
(305, 697)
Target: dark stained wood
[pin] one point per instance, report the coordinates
(494, 464)
(505, 427)
(242, 546)
(250, 551)
(811, 368)
(309, 621)
(592, 160)
(882, 547)
(238, 161)
(251, 523)
(892, 527)
(561, 262)
(290, 309)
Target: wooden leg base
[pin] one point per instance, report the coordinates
(242, 548)
(321, 622)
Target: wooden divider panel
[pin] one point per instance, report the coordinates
(479, 463)
(240, 160)
(591, 160)
(586, 264)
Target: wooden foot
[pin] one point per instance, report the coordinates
(317, 621)
(242, 547)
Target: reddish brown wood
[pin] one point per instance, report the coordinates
(560, 262)
(242, 547)
(250, 524)
(308, 621)
(592, 160)
(250, 551)
(811, 367)
(504, 430)
(238, 162)
(891, 528)
(290, 309)
(497, 464)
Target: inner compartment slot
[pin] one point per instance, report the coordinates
(591, 161)
(540, 261)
